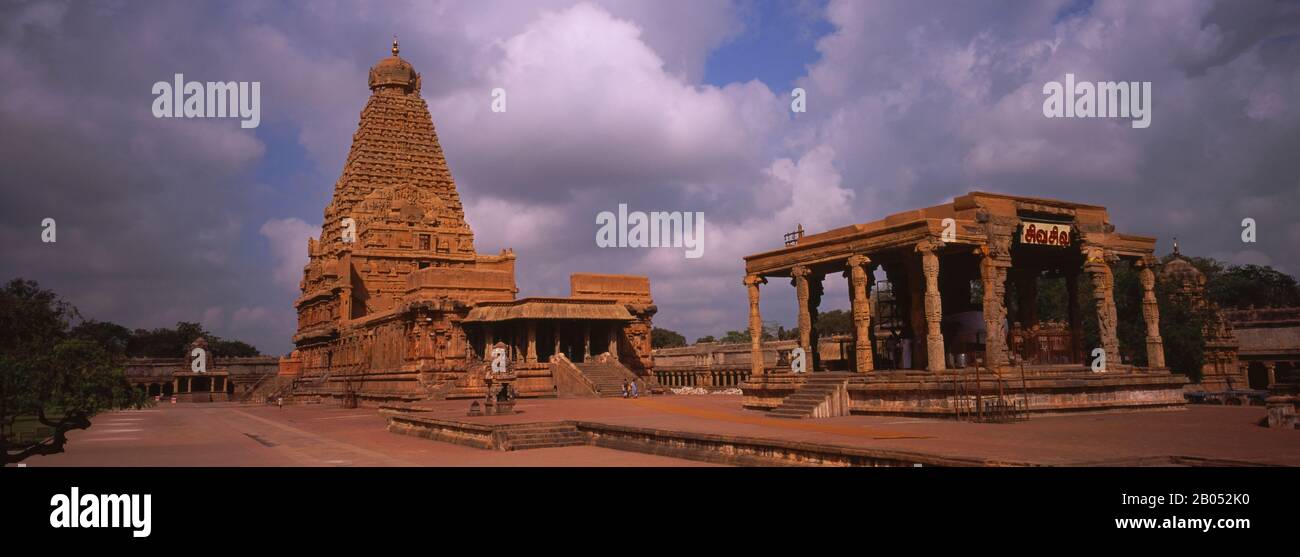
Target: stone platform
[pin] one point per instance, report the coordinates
(715, 429)
(946, 394)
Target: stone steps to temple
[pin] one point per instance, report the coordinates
(541, 437)
(804, 402)
(607, 378)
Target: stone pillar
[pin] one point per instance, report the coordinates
(1271, 368)
(555, 335)
(993, 274)
(519, 342)
(859, 268)
(1151, 314)
(816, 287)
(933, 307)
(345, 303)
(489, 339)
(800, 274)
(1103, 296)
(613, 340)
(756, 368)
(532, 343)
(586, 340)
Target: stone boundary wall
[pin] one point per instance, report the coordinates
(923, 394)
(737, 354)
(160, 370)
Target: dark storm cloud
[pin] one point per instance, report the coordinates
(910, 104)
(167, 220)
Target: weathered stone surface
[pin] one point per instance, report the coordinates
(391, 284)
(934, 259)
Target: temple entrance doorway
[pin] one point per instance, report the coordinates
(572, 343)
(546, 340)
(1257, 375)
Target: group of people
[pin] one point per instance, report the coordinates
(630, 389)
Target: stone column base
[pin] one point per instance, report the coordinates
(1282, 411)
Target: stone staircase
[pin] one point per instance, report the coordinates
(268, 388)
(539, 436)
(607, 377)
(822, 397)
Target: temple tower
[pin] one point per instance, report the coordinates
(395, 208)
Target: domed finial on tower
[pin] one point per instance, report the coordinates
(1176, 246)
(395, 73)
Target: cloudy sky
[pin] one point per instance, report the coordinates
(663, 105)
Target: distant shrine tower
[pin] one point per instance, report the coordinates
(387, 293)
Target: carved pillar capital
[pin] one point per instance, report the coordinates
(754, 281)
(857, 261)
(1097, 254)
(1148, 279)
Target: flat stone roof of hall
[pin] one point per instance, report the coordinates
(548, 308)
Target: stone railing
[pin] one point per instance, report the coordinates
(716, 377)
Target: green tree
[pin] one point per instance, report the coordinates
(708, 338)
(1240, 286)
(232, 348)
(1182, 329)
(733, 337)
(113, 337)
(835, 322)
(171, 343)
(50, 376)
(666, 338)
(157, 343)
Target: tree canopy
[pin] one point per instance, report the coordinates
(171, 343)
(666, 338)
(51, 376)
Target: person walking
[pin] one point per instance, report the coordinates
(279, 401)
(625, 388)
(634, 390)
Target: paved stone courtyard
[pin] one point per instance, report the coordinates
(308, 435)
(316, 435)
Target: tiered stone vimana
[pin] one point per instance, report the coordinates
(390, 283)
